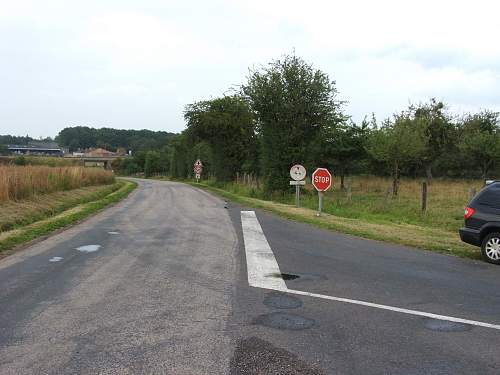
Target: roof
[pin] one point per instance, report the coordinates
(99, 152)
(37, 146)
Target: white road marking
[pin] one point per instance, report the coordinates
(55, 259)
(262, 266)
(88, 248)
(261, 263)
(113, 232)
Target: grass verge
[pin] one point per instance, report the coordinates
(88, 205)
(423, 237)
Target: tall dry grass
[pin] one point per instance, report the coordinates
(21, 182)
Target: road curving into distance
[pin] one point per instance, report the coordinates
(158, 284)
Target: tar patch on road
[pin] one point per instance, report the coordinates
(282, 320)
(445, 326)
(255, 356)
(298, 276)
(277, 300)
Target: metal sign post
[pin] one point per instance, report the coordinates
(320, 204)
(297, 191)
(298, 173)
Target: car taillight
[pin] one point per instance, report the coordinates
(468, 212)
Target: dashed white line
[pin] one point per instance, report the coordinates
(262, 266)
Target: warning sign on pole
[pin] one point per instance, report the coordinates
(197, 169)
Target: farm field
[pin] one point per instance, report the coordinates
(21, 182)
(35, 200)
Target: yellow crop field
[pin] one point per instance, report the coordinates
(21, 182)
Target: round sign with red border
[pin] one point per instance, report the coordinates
(321, 179)
(297, 172)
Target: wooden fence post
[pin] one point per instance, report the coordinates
(472, 193)
(424, 196)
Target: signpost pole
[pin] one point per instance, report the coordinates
(297, 196)
(298, 173)
(320, 205)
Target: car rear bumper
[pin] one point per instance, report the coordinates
(471, 236)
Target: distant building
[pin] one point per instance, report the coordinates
(98, 157)
(101, 153)
(38, 148)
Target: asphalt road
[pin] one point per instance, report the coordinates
(159, 285)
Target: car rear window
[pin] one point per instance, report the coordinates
(489, 197)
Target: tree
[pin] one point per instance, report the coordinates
(435, 131)
(179, 158)
(152, 163)
(3, 149)
(140, 159)
(226, 124)
(83, 137)
(396, 143)
(480, 140)
(129, 167)
(293, 102)
(341, 145)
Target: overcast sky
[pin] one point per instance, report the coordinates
(135, 64)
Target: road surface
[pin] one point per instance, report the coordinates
(174, 281)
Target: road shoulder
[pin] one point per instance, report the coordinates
(18, 238)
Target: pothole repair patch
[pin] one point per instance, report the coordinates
(281, 320)
(282, 301)
(445, 326)
(88, 248)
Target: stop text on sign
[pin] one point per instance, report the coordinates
(324, 179)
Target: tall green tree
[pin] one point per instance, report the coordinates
(152, 163)
(480, 140)
(341, 145)
(227, 125)
(179, 156)
(397, 143)
(435, 130)
(293, 102)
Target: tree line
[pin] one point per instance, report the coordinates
(84, 137)
(289, 112)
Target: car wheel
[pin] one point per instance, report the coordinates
(490, 248)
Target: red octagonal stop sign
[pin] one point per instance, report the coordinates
(321, 179)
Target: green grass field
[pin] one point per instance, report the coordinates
(370, 200)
